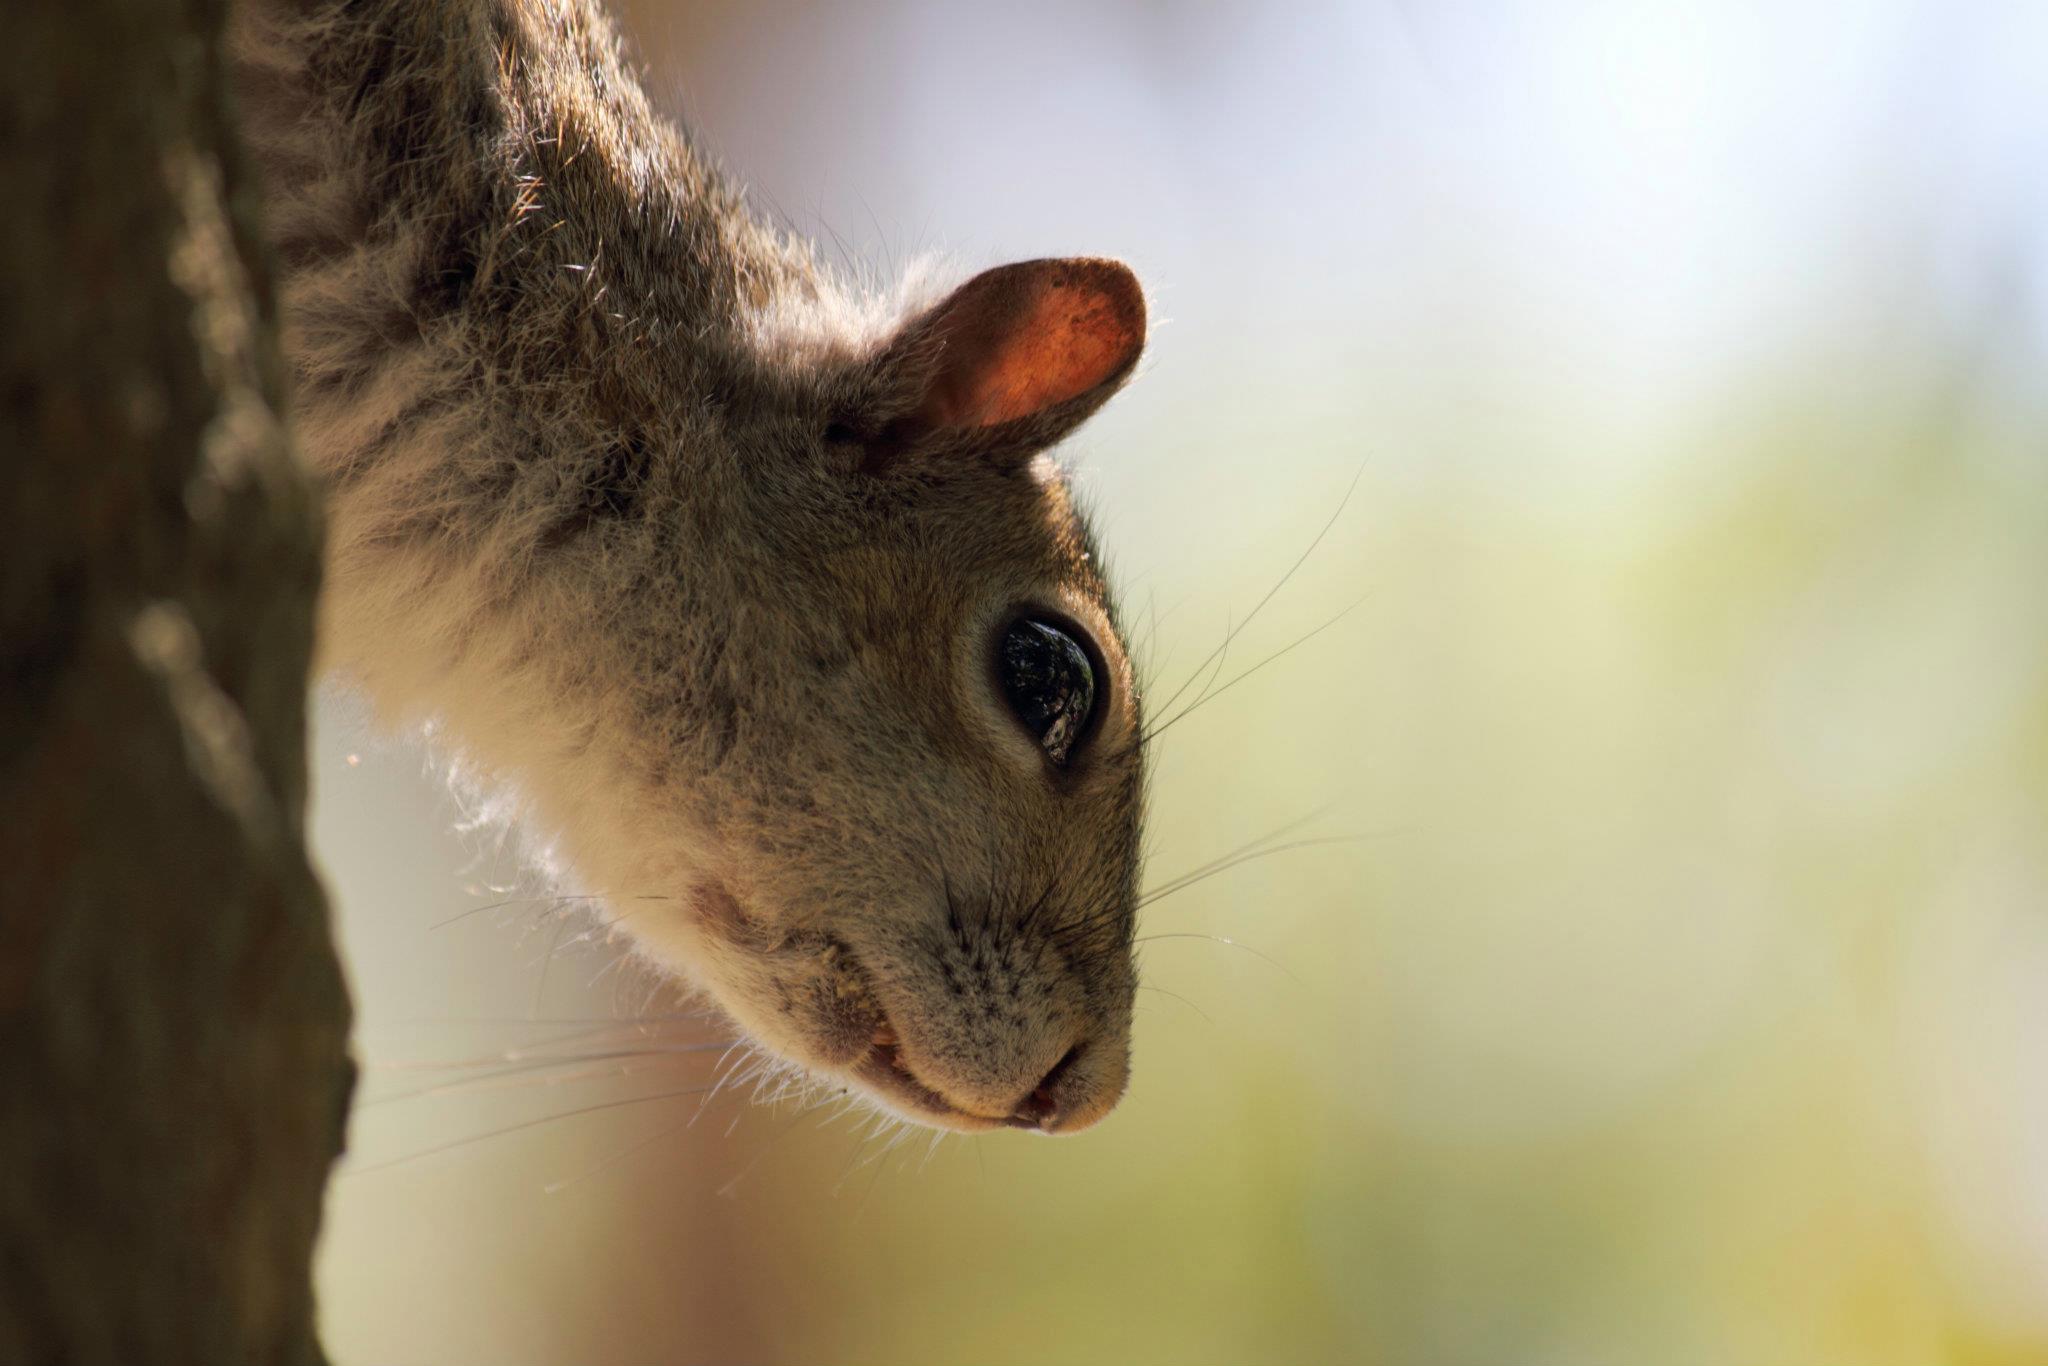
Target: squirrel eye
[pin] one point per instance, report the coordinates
(1049, 684)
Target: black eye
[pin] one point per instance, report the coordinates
(1049, 683)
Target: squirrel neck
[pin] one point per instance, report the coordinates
(514, 300)
(485, 181)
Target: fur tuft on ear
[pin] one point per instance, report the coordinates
(1016, 358)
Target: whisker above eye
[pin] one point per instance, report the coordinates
(1208, 695)
(1278, 832)
(666, 1131)
(552, 1021)
(350, 1169)
(651, 1034)
(1174, 995)
(1220, 939)
(1231, 633)
(540, 987)
(761, 1150)
(554, 900)
(1206, 872)
(519, 1074)
(520, 1056)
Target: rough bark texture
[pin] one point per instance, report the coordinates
(173, 1066)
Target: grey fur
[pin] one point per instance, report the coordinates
(633, 501)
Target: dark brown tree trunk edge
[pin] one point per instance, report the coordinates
(174, 1071)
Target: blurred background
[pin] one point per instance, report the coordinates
(1650, 964)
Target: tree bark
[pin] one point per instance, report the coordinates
(173, 1023)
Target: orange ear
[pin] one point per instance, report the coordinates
(1023, 341)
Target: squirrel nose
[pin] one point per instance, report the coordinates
(1040, 1108)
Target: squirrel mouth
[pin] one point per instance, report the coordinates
(879, 1067)
(883, 1070)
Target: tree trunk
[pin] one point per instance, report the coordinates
(173, 1051)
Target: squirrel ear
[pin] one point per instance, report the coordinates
(1018, 356)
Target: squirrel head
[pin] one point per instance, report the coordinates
(871, 730)
(767, 611)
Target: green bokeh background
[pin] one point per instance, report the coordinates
(1666, 977)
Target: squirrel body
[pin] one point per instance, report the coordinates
(756, 592)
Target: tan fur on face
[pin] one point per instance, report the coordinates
(705, 558)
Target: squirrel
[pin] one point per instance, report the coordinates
(761, 594)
